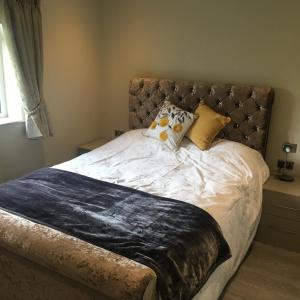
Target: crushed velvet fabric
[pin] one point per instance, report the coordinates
(249, 107)
(35, 258)
(181, 242)
(22, 280)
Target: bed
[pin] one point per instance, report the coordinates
(38, 262)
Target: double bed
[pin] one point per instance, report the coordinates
(39, 262)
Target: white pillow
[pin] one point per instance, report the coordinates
(170, 125)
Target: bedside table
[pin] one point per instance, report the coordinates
(92, 145)
(280, 220)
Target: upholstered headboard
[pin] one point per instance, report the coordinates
(248, 106)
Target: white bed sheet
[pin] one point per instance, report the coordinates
(226, 181)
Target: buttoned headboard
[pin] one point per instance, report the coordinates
(248, 106)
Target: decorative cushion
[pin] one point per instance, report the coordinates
(170, 125)
(209, 123)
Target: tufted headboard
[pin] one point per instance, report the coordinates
(248, 106)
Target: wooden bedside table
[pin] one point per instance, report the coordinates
(280, 221)
(92, 145)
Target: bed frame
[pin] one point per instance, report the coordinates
(249, 107)
(37, 262)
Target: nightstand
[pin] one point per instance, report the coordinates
(280, 221)
(92, 145)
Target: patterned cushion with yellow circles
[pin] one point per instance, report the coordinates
(170, 125)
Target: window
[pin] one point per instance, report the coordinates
(10, 97)
(3, 110)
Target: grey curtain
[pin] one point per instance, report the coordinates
(22, 27)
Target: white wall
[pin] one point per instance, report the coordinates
(73, 74)
(251, 42)
(18, 155)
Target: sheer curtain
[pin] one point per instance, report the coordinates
(22, 27)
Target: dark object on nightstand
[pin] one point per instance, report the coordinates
(85, 148)
(287, 148)
(119, 132)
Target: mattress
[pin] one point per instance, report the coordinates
(226, 181)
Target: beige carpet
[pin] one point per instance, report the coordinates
(268, 273)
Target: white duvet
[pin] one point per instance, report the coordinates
(226, 181)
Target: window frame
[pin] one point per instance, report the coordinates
(10, 95)
(3, 100)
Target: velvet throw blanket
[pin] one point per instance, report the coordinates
(181, 242)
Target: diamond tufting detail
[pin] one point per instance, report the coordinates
(248, 106)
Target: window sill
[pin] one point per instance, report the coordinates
(4, 121)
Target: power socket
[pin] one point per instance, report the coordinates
(289, 165)
(280, 164)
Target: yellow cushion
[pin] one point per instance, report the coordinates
(204, 130)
